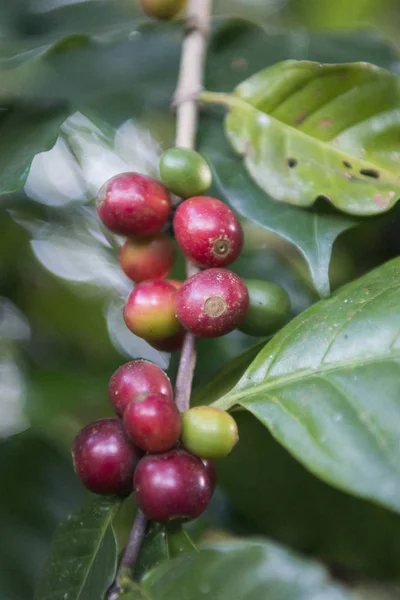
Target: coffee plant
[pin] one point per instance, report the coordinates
(200, 320)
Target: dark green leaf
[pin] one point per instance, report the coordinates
(242, 570)
(281, 499)
(84, 554)
(327, 387)
(25, 132)
(314, 234)
(307, 130)
(162, 542)
(39, 489)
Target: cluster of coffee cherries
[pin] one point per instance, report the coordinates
(151, 449)
(166, 457)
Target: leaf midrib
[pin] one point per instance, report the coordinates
(230, 399)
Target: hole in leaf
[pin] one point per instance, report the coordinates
(347, 164)
(292, 162)
(370, 173)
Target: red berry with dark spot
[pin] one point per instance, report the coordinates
(208, 232)
(174, 485)
(147, 258)
(153, 422)
(133, 204)
(150, 310)
(212, 302)
(212, 475)
(105, 458)
(135, 378)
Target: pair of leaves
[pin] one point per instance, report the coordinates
(326, 386)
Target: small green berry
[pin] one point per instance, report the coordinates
(185, 172)
(268, 309)
(163, 9)
(208, 432)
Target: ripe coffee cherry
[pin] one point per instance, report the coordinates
(172, 485)
(212, 475)
(133, 204)
(209, 432)
(208, 232)
(170, 344)
(134, 378)
(212, 302)
(105, 458)
(185, 172)
(163, 9)
(147, 258)
(269, 308)
(150, 310)
(153, 422)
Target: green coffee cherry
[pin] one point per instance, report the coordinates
(185, 172)
(268, 309)
(163, 9)
(208, 432)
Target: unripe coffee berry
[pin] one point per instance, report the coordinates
(153, 422)
(269, 308)
(185, 172)
(150, 310)
(147, 258)
(212, 303)
(209, 432)
(174, 485)
(163, 9)
(133, 204)
(208, 232)
(135, 378)
(105, 458)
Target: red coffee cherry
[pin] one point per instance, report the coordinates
(105, 458)
(163, 9)
(212, 475)
(172, 485)
(135, 378)
(153, 422)
(212, 302)
(147, 258)
(133, 204)
(150, 310)
(170, 344)
(208, 232)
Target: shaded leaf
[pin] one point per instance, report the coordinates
(307, 130)
(162, 542)
(327, 387)
(243, 570)
(313, 233)
(278, 497)
(39, 489)
(83, 556)
(25, 132)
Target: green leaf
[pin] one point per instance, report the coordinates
(281, 499)
(84, 554)
(40, 490)
(313, 233)
(243, 570)
(162, 542)
(327, 387)
(25, 132)
(307, 130)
